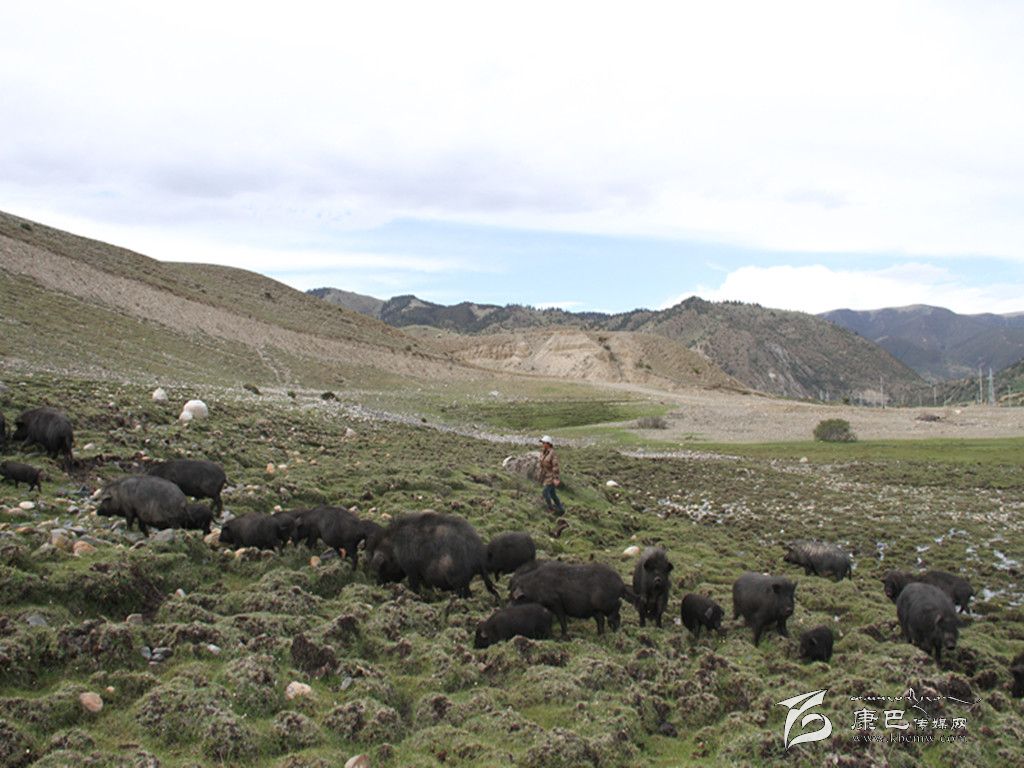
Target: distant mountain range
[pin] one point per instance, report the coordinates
(937, 343)
(792, 354)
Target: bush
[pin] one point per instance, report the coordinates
(651, 422)
(834, 431)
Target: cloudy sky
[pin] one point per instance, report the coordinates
(595, 156)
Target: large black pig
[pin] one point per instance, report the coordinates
(197, 478)
(48, 428)
(335, 526)
(957, 587)
(582, 591)
(152, 501)
(651, 584)
(762, 600)
(928, 619)
(430, 549)
(820, 558)
(256, 530)
(529, 620)
(506, 552)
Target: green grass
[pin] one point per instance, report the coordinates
(428, 698)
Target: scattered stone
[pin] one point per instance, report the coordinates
(803, 459)
(27, 505)
(213, 537)
(358, 761)
(159, 395)
(329, 554)
(160, 654)
(91, 702)
(350, 433)
(185, 417)
(36, 620)
(80, 548)
(314, 562)
(60, 540)
(134, 618)
(271, 469)
(214, 649)
(146, 652)
(296, 690)
(168, 536)
(631, 551)
(179, 592)
(612, 484)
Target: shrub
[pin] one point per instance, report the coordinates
(651, 422)
(834, 431)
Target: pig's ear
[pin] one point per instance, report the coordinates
(812, 640)
(777, 588)
(709, 612)
(938, 619)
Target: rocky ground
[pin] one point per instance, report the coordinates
(171, 650)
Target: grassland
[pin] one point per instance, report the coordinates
(394, 675)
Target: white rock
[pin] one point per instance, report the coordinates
(631, 551)
(27, 505)
(213, 537)
(314, 561)
(91, 702)
(197, 408)
(358, 761)
(612, 484)
(803, 459)
(296, 690)
(185, 417)
(349, 432)
(159, 395)
(271, 469)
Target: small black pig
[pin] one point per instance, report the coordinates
(529, 620)
(198, 517)
(1017, 670)
(816, 644)
(762, 600)
(49, 428)
(698, 611)
(17, 472)
(255, 530)
(651, 584)
(507, 551)
(928, 619)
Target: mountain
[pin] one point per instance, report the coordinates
(793, 354)
(71, 303)
(937, 343)
(357, 302)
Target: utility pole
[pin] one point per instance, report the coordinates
(991, 388)
(881, 389)
(979, 385)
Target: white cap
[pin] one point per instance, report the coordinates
(547, 439)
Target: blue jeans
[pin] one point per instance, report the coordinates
(552, 500)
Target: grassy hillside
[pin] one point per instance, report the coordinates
(395, 675)
(73, 303)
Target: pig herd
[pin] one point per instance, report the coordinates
(444, 552)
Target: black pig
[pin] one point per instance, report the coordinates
(816, 644)
(582, 591)
(198, 517)
(48, 428)
(529, 620)
(957, 587)
(928, 619)
(763, 600)
(152, 501)
(651, 584)
(1017, 670)
(507, 551)
(17, 472)
(197, 478)
(821, 559)
(699, 611)
(430, 549)
(3, 432)
(255, 530)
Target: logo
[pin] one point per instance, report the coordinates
(797, 706)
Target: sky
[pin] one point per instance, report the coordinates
(588, 155)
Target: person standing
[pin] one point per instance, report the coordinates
(549, 475)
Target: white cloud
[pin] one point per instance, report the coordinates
(819, 288)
